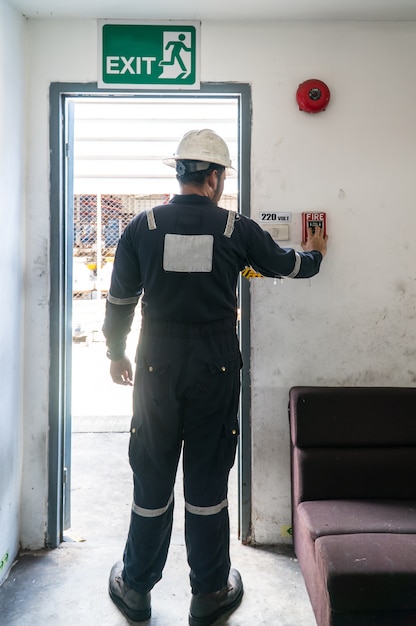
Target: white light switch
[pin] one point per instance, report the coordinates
(279, 233)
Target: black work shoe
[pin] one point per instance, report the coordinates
(206, 608)
(134, 605)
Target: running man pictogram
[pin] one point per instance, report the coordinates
(177, 47)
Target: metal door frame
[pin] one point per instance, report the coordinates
(61, 225)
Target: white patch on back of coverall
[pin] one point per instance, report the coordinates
(188, 253)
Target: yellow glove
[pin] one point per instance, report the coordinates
(248, 273)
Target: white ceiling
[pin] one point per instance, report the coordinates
(235, 10)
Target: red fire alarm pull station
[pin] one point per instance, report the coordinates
(313, 96)
(310, 220)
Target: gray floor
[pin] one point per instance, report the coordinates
(68, 586)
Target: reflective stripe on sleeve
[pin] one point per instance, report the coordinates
(114, 300)
(206, 510)
(151, 222)
(139, 510)
(229, 227)
(296, 269)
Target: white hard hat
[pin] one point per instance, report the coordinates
(201, 145)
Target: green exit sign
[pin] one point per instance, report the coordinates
(157, 55)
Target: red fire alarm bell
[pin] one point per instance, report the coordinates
(310, 220)
(312, 96)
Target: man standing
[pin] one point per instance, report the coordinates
(184, 259)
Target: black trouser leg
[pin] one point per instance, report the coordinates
(154, 451)
(146, 549)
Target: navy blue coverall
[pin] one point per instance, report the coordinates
(184, 259)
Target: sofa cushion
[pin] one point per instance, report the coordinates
(335, 517)
(352, 416)
(366, 572)
(350, 473)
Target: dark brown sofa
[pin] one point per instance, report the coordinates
(353, 463)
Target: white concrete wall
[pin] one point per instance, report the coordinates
(354, 323)
(12, 229)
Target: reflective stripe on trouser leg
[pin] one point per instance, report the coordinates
(206, 510)
(143, 512)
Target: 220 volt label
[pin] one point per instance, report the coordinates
(280, 218)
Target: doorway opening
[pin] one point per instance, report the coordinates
(106, 166)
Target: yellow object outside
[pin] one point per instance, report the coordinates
(248, 273)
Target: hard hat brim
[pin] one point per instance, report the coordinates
(171, 162)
